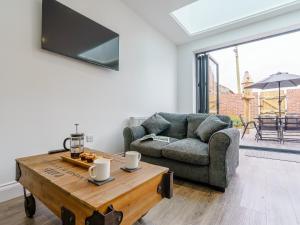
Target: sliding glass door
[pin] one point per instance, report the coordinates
(207, 84)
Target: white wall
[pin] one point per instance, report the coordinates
(186, 52)
(43, 94)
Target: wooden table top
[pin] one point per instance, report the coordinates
(73, 180)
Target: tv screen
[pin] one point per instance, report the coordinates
(69, 33)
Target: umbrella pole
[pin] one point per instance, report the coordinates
(279, 101)
(280, 122)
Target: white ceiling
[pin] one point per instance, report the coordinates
(228, 16)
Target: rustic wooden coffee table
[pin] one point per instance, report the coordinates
(65, 190)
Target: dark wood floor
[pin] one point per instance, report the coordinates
(263, 192)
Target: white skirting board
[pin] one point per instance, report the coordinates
(10, 190)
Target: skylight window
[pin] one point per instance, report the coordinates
(205, 15)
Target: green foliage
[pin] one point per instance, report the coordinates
(236, 121)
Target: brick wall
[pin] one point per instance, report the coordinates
(293, 101)
(232, 104)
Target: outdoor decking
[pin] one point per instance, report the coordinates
(249, 140)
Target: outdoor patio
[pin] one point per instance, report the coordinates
(274, 113)
(249, 140)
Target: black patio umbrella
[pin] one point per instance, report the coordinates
(278, 80)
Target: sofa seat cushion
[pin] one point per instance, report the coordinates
(188, 150)
(149, 147)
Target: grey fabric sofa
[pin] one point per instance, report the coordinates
(213, 163)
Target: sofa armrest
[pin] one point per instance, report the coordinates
(131, 134)
(223, 156)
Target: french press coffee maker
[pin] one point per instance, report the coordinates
(76, 143)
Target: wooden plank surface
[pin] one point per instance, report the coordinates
(263, 192)
(54, 197)
(72, 180)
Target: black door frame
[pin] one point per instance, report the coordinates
(268, 36)
(202, 83)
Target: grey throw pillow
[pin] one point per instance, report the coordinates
(208, 127)
(156, 124)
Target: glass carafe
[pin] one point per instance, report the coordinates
(76, 143)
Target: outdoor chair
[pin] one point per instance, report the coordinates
(291, 127)
(247, 126)
(268, 127)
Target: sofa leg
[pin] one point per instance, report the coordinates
(220, 189)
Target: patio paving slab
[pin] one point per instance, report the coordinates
(249, 140)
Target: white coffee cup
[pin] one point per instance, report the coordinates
(132, 159)
(100, 171)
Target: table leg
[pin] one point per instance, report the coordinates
(29, 204)
(140, 220)
(280, 131)
(111, 217)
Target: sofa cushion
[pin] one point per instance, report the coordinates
(149, 147)
(178, 127)
(155, 124)
(188, 150)
(194, 121)
(209, 126)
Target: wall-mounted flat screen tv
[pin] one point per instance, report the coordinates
(69, 33)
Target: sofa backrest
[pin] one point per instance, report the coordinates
(194, 120)
(184, 125)
(178, 128)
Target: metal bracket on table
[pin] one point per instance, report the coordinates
(165, 188)
(111, 217)
(67, 217)
(18, 171)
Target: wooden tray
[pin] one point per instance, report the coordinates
(67, 158)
